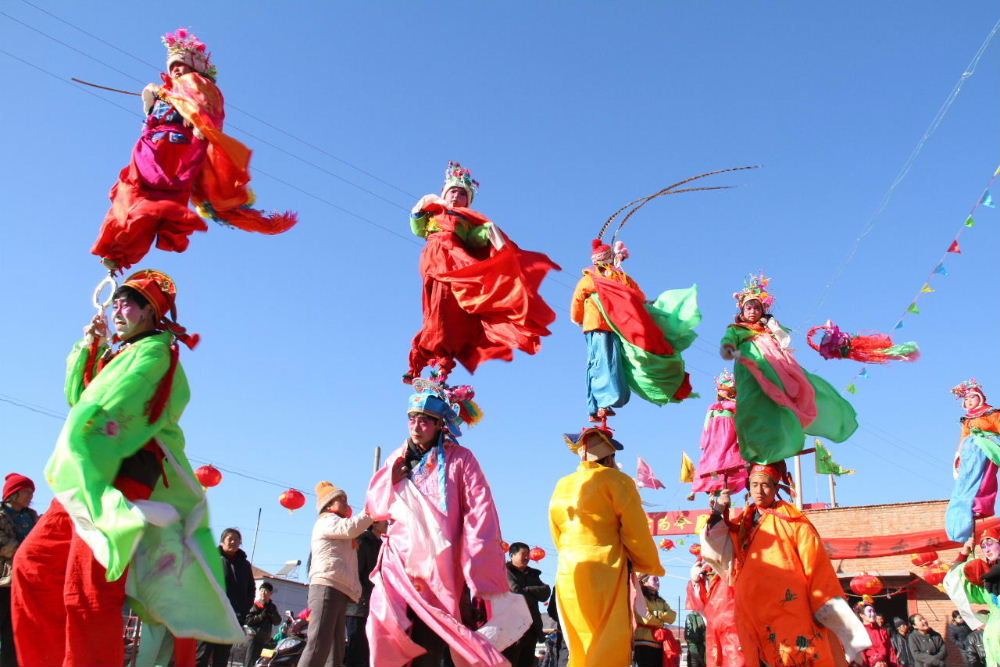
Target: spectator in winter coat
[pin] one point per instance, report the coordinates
(240, 590)
(903, 656)
(526, 582)
(261, 620)
(926, 644)
(333, 575)
(958, 634)
(369, 545)
(694, 634)
(976, 645)
(16, 521)
(647, 648)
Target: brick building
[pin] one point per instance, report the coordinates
(895, 571)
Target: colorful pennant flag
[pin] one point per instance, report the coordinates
(940, 270)
(825, 465)
(645, 479)
(863, 373)
(899, 325)
(987, 200)
(913, 308)
(969, 222)
(852, 389)
(954, 247)
(926, 289)
(687, 468)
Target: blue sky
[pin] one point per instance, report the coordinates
(564, 112)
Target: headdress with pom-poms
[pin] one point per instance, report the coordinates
(457, 176)
(185, 47)
(970, 385)
(725, 382)
(755, 287)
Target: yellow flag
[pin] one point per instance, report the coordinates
(687, 468)
(927, 289)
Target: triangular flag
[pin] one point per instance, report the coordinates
(969, 222)
(863, 373)
(899, 325)
(987, 200)
(687, 468)
(926, 289)
(913, 308)
(954, 247)
(851, 389)
(939, 269)
(645, 479)
(825, 465)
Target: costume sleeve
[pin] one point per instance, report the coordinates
(584, 288)
(474, 235)
(418, 224)
(82, 361)
(732, 336)
(380, 491)
(821, 579)
(964, 593)
(333, 527)
(717, 549)
(634, 532)
(482, 556)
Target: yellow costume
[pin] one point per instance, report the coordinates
(599, 527)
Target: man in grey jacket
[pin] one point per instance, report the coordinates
(926, 644)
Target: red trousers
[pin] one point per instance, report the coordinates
(65, 612)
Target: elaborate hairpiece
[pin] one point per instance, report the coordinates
(725, 381)
(755, 287)
(453, 405)
(457, 176)
(966, 387)
(184, 46)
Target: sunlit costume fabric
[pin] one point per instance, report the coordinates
(975, 492)
(720, 450)
(599, 528)
(108, 537)
(965, 586)
(481, 297)
(717, 603)
(182, 154)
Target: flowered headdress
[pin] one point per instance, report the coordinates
(755, 287)
(457, 176)
(969, 386)
(160, 291)
(865, 601)
(452, 405)
(184, 47)
(725, 382)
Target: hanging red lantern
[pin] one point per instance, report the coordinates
(208, 476)
(923, 558)
(667, 544)
(695, 550)
(935, 574)
(867, 584)
(536, 553)
(292, 499)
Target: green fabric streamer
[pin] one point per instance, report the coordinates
(825, 465)
(902, 350)
(657, 377)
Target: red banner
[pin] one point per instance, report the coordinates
(683, 522)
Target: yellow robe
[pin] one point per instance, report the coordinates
(598, 525)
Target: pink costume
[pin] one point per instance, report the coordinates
(445, 533)
(716, 600)
(720, 451)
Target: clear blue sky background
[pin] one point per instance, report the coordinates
(564, 111)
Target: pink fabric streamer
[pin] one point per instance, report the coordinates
(645, 478)
(799, 395)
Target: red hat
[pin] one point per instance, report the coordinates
(776, 471)
(992, 533)
(159, 289)
(601, 252)
(15, 483)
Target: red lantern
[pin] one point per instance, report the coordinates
(208, 476)
(536, 553)
(935, 574)
(924, 558)
(667, 544)
(695, 549)
(292, 499)
(867, 584)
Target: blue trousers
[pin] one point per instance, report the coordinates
(959, 521)
(606, 383)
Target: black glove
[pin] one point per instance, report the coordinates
(991, 580)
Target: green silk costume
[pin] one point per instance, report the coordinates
(770, 432)
(174, 569)
(963, 592)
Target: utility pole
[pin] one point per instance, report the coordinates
(378, 457)
(798, 481)
(833, 491)
(256, 532)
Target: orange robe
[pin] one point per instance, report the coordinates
(782, 576)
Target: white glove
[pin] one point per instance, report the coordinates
(728, 352)
(424, 201)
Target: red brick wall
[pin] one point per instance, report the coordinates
(862, 521)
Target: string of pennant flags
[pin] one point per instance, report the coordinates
(954, 248)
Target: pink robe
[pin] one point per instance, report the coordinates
(720, 451)
(429, 555)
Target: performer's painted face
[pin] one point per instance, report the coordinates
(130, 319)
(763, 489)
(179, 69)
(752, 311)
(972, 400)
(869, 615)
(424, 430)
(991, 549)
(456, 197)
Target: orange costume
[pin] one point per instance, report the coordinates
(790, 608)
(584, 310)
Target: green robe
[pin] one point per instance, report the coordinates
(175, 574)
(962, 592)
(769, 432)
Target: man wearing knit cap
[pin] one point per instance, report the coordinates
(333, 575)
(790, 607)
(126, 499)
(16, 521)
